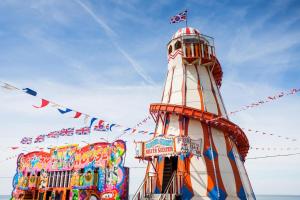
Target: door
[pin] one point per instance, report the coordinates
(169, 167)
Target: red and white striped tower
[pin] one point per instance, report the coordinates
(191, 106)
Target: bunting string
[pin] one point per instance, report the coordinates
(88, 119)
(275, 148)
(270, 134)
(273, 156)
(267, 100)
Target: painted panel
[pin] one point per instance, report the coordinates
(192, 96)
(160, 127)
(173, 129)
(167, 86)
(193, 99)
(222, 106)
(197, 165)
(243, 174)
(209, 101)
(224, 163)
(176, 95)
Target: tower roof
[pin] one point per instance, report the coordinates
(186, 31)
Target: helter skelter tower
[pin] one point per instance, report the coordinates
(196, 152)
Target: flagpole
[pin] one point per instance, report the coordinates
(186, 19)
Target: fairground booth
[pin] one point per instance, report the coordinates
(94, 171)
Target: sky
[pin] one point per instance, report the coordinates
(109, 59)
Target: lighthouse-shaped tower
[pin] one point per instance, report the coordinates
(196, 152)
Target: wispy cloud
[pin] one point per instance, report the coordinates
(111, 35)
(102, 24)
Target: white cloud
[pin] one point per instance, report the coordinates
(112, 34)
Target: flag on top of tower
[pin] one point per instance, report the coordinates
(179, 17)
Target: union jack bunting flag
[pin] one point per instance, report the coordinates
(179, 18)
(54, 134)
(101, 127)
(83, 131)
(67, 132)
(39, 139)
(26, 140)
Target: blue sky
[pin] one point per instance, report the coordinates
(108, 58)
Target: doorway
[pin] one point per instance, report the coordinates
(169, 167)
(48, 195)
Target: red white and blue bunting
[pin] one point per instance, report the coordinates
(100, 124)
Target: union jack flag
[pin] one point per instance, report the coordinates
(83, 131)
(54, 134)
(179, 18)
(39, 139)
(101, 127)
(67, 132)
(26, 140)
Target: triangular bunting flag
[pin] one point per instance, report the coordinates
(30, 91)
(64, 111)
(44, 103)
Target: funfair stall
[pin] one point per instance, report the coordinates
(94, 171)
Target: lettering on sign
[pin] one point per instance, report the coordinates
(187, 145)
(159, 146)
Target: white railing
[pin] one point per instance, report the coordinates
(146, 188)
(173, 187)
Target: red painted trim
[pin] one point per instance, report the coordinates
(183, 86)
(214, 93)
(186, 126)
(175, 54)
(181, 125)
(167, 123)
(187, 31)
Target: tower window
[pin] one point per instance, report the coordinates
(177, 45)
(170, 49)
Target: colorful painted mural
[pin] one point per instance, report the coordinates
(70, 172)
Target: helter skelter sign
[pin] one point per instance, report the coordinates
(159, 146)
(168, 147)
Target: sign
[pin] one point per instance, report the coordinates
(62, 158)
(159, 146)
(138, 149)
(187, 145)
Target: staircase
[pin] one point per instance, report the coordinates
(167, 175)
(171, 190)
